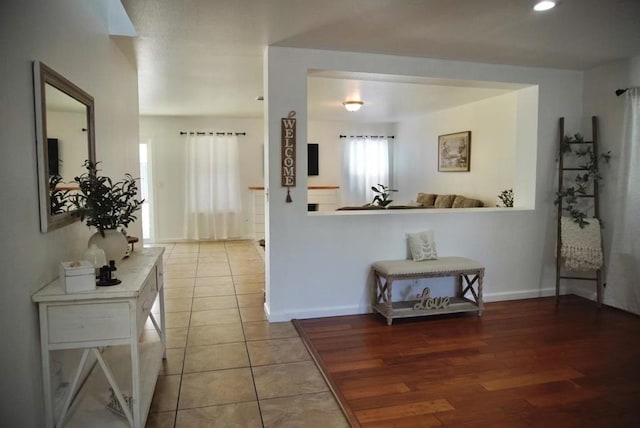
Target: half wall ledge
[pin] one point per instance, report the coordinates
(414, 211)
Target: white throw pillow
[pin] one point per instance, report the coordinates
(422, 246)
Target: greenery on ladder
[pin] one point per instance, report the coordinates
(583, 181)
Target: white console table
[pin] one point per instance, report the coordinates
(106, 324)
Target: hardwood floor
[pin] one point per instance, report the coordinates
(525, 363)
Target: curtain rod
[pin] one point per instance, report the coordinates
(623, 90)
(367, 136)
(211, 133)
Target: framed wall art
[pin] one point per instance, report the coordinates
(454, 152)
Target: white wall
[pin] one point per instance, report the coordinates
(319, 265)
(168, 159)
(492, 123)
(70, 37)
(600, 100)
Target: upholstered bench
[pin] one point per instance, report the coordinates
(468, 273)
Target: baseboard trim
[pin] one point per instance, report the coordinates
(524, 294)
(360, 309)
(267, 311)
(318, 313)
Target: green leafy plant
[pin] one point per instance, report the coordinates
(383, 193)
(582, 182)
(102, 203)
(58, 202)
(506, 197)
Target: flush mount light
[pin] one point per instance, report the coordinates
(352, 105)
(544, 5)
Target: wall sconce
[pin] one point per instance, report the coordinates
(352, 105)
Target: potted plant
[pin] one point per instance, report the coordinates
(506, 197)
(108, 206)
(383, 193)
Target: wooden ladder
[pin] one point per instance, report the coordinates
(596, 204)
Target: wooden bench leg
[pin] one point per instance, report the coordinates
(468, 288)
(382, 290)
(375, 298)
(480, 300)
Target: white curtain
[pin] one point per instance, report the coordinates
(365, 164)
(623, 272)
(212, 195)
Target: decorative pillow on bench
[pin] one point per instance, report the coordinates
(422, 246)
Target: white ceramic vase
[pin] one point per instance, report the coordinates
(96, 257)
(114, 244)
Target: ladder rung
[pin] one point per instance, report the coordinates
(578, 277)
(575, 169)
(580, 142)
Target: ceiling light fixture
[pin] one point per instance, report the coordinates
(544, 5)
(352, 105)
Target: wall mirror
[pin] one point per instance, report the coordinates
(65, 138)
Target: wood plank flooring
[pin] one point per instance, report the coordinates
(525, 363)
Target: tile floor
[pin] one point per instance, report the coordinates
(226, 365)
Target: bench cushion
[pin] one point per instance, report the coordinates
(409, 267)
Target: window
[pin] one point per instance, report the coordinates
(144, 191)
(366, 164)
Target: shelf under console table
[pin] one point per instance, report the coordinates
(468, 274)
(106, 324)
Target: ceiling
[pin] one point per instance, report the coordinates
(204, 57)
(390, 98)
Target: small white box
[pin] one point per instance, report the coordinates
(77, 276)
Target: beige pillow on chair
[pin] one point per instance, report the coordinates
(462, 202)
(472, 203)
(426, 199)
(444, 201)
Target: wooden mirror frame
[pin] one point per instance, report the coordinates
(42, 76)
